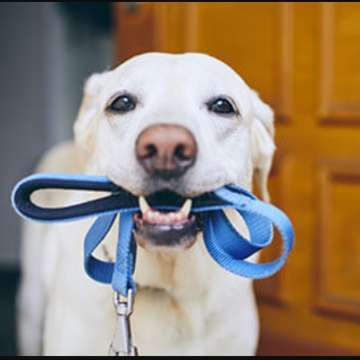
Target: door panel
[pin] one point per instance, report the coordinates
(302, 58)
(339, 230)
(340, 63)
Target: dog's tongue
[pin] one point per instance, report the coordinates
(152, 216)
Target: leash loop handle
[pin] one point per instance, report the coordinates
(225, 245)
(21, 197)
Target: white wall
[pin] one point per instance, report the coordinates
(43, 64)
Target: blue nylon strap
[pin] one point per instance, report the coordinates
(108, 272)
(98, 269)
(224, 244)
(230, 258)
(125, 256)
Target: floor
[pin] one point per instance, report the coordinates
(8, 285)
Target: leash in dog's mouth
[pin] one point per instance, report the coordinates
(158, 218)
(160, 228)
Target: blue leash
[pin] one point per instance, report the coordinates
(224, 244)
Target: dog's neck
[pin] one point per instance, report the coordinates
(172, 269)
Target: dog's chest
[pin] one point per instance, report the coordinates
(162, 325)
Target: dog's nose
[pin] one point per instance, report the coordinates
(166, 150)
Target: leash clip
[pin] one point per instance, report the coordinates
(121, 344)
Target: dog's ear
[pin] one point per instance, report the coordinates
(262, 143)
(85, 124)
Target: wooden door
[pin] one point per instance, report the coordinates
(304, 59)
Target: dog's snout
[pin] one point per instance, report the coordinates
(166, 150)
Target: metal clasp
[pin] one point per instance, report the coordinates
(121, 344)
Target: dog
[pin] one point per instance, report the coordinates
(184, 123)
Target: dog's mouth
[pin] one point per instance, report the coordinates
(170, 229)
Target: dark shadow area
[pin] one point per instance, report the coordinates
(9, 280)
(47, 52)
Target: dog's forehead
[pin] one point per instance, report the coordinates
(162, 69)
(177, 77)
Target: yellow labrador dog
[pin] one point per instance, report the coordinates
(186, 123)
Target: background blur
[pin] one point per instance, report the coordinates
(303, 59)
(46, 52)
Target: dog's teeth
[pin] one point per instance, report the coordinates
(185, 210)
(179, 217)
(157, 218)
(151, 216)
(172, 217)
(166, 219)
(143, 205)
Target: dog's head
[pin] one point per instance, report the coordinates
(185, 124)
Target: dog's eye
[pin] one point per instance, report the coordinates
(221, 106)
(122, 104)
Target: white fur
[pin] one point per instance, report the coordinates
(186, 304)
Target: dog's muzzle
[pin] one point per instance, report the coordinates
(166, 152)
